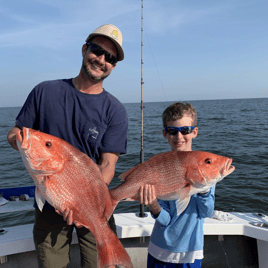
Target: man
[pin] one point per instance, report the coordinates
(83, 113)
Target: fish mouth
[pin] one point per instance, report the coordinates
(22, 138)
(228, 167)
(226, 170)
(24, 145)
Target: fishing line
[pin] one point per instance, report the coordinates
(225, 254)
(155, 64)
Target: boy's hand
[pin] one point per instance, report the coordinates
(148, 198)
(147, 194)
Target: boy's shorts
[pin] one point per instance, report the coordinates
(52, 238)
(154, 263)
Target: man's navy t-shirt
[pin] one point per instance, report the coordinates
(92, 123)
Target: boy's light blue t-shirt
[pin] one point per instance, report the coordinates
(183, 232)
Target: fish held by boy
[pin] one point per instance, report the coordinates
(69, 179)
(175, 175)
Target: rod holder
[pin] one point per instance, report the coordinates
(3, 259)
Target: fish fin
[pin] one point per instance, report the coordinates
(111, 252)
(40, 200)
(129, 199)
(108, 211)
(171, 196)
(79, 224)
(181, 205)
(114, 199)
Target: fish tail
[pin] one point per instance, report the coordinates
(111, 252)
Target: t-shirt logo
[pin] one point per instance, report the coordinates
(93, 132)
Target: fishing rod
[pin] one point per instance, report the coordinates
(142, 214)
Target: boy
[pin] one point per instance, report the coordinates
(177, 240)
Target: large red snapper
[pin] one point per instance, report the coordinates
(175, 175)
(69, 179)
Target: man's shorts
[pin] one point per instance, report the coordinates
(52, 238)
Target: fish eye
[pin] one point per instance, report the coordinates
(48, 144)
(208, 161)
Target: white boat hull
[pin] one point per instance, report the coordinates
(226, 242)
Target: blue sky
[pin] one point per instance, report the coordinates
(193, 49)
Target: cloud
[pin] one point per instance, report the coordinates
(166, 17)
(67, 22)
(77, 19)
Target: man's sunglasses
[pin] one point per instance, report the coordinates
(183, 130)
(98, 51)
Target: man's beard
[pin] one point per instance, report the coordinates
(92, 76)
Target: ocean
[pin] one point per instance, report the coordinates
(235, 128)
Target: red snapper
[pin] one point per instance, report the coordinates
(69, 179)
(175, 175)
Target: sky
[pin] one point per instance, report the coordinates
(193, 50)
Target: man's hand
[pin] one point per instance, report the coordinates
(11, 137)
(68, 216)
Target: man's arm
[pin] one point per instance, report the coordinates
(107, 165)
(11, 137)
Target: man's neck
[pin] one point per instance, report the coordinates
(87, 86)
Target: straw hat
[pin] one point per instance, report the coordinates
(114, 34)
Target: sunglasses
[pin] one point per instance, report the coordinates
(183, 130)
(98, 51)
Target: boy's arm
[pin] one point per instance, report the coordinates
(206, 202)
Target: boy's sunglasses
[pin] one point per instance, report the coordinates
(98, 51)
(183, 130)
